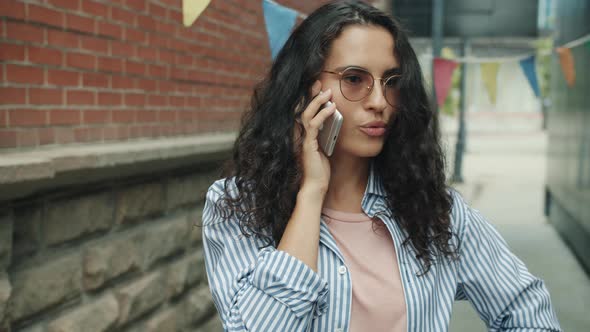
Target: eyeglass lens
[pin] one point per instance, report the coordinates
(357, 84)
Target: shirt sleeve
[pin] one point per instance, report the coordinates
(257, 289)
(504, 293)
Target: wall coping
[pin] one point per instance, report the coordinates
(26, 172)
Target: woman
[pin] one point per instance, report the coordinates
(370, 238)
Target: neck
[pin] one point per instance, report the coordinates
(348, 181)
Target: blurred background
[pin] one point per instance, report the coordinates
(115, 117)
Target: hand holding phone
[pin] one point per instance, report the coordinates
(329, 131)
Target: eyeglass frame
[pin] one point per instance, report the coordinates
(370, 88)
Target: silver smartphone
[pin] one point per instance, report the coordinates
(329, 131)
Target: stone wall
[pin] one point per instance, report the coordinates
(116, 255)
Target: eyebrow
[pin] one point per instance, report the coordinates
(390, 71)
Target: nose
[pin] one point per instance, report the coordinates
(376, 99)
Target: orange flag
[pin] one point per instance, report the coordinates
(567, 65)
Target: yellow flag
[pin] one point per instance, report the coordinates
(489, 74)
(191, 9)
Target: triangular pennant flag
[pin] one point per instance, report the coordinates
(489, 74)
(528, 67)
(443, 72)
(192, 9)
(588, 45)
(567, 65)
(279, 22)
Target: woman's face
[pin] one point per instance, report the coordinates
(370, 48)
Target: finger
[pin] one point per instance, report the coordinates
(316, 123)
(316, 88)
(315, 105)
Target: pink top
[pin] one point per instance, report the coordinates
(378, 303)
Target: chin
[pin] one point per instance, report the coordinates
(367, 150)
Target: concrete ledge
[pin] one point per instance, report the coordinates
(24, 173)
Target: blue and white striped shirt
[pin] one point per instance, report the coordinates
(270, 290)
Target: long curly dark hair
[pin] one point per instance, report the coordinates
(411, 165)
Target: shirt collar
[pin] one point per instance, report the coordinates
(375, 183)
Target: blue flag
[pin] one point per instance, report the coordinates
(279, 22)
(528, 67)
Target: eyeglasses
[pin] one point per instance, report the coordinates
(357, 83)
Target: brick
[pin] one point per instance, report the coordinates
(24, 74)
(27, 138)
(198, 305)
(146, 23)
(27, 118)
(95, 8)
(78, 60)
(147, 116)
(24, 32)
(122, 82)
(122, 49)
(45, 15)
(64, 117)
(162, 321)
(138, 5)
(42, 96)
(109, 29)
(108, 64)
(96, 116)
(12, 52)
(95, 45)
(64, 135)
(46, 136)
(139, 201)
(63, 77)
(103, 261)
(5, 291)
(8, 138)
(45, 285)
(10, 96)
(136, 68)
(80, 23)
(134, 35)
(46, 56)
(125, 116)
(99, 315)
(122, 15)
(166, 116)
(6, 225)
(89, 134)
(147, 85)
(147, 53)
(77, 97)
(65, 39)
(67, 4)
(109, 98)
(139, 297)
(164, 239)
(95, 80)
(134, 99)
(70, 218)
(12, 9)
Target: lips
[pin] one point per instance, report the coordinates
(374, 129)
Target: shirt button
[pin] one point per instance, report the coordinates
(341, 270)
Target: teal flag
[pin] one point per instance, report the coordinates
(279, 21)
(528, 67)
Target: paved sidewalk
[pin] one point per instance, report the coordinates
(504, 176)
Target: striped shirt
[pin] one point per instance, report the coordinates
(269, 290)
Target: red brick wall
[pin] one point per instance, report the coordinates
(93, 70)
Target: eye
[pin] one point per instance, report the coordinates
(393, 81)
(352, 79)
